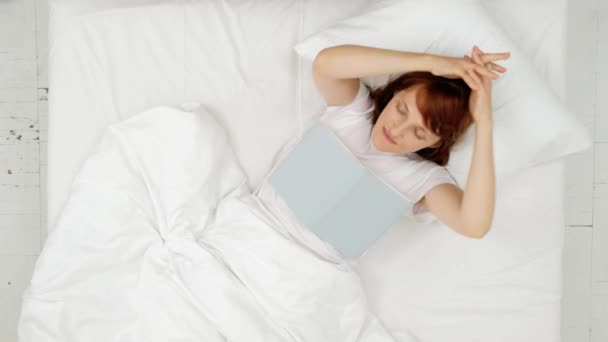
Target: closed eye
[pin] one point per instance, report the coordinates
(417, 128)
(402, 111)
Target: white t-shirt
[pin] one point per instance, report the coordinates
(412, 175)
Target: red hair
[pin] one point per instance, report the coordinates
(443, 103)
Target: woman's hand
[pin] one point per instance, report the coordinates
(480, 101)
(467, 69)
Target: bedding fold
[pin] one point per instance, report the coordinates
(161, 239)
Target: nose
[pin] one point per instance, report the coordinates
(397, 130)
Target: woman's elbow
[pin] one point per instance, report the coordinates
(474, 231)
(479, 231)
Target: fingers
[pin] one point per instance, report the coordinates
(476, 56)
(492, 65)
(470, 82)
(498, 68)
(485, 70)
(490, 57)
(473, 74)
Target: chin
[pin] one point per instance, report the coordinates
(379, 143)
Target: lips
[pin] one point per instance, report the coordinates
(388, 137)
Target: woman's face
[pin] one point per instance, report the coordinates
(402, 121)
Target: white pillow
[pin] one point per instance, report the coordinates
(531, 124)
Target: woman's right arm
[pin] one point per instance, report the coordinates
(337, 70)
(351, 62)
(356, 61)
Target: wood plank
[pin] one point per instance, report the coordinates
(44, 136)
(601, 116)
(15, 199)
(600, 288)
(16, 72)
(599, 319)
(600, 233)
(23, 240)
(19, 164)
(16, 95)
(601, 163)
(581, 57)
(14, 278)
(17, 29)
(18, 110)
(14, 123)
(576, 300)
(43, 153)
(582, 61)
(43, 114)
(20, 137)
(42, 42)
(18, 220)
(43, 204)
(579, 189)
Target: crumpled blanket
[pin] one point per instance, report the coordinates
(161, 239)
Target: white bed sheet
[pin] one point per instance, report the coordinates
(165, 242)
(423, 278)
(110, 64)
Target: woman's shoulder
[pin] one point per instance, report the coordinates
(362, 102)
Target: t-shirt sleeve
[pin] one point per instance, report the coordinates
(350, 122)
(435, 176)
(360, 105)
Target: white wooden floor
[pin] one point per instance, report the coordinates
(585, 302)
(23, 164)
(23, 124)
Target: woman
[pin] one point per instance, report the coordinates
(414, 120)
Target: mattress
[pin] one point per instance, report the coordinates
(109, 60)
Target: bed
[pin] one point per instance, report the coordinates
(109, 60)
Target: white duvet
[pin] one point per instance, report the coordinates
(162, 240)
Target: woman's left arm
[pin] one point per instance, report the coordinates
(470, 212)
(477, 205)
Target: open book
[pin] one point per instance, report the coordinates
(334, 195)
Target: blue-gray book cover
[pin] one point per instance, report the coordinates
(334, 195)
